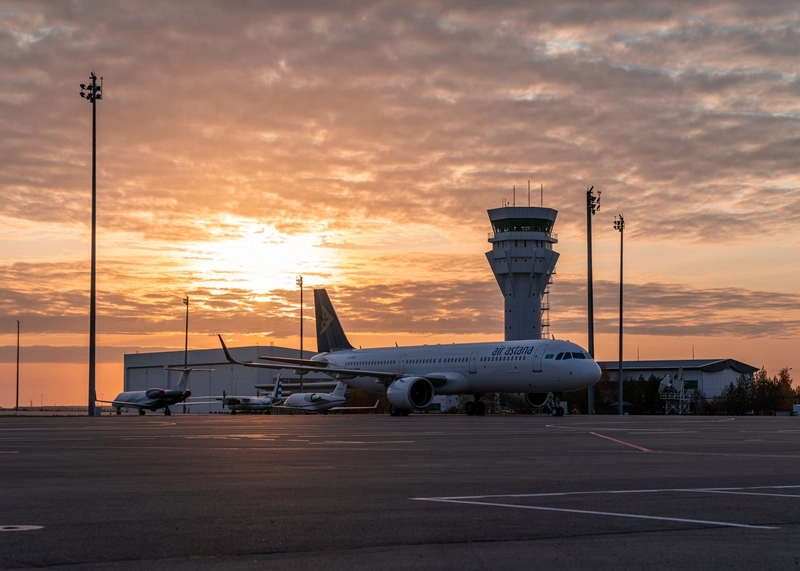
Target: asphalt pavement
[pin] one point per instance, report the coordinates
(423, 492)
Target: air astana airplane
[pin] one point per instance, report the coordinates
(532, 371)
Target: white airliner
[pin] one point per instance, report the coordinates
(252, 404)
(154, 399)
(410, 376)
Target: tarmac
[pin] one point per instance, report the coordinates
(380, 492)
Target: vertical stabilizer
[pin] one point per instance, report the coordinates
(340, 389)
(184, 380)
(330, 335)
(278, 390)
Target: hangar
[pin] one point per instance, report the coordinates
(709, 376)
(152, 370)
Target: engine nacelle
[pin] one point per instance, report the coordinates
(410, 392)
(155, 393)
(527, 400)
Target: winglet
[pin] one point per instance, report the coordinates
(227, 354)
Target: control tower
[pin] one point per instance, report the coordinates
(522, 259)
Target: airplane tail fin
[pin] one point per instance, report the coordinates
(340, 389)
(277, 392)
(184, 380)
(330, 334)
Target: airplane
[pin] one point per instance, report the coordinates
(322, 402)
(154, 399)
(533, 372)
(250, 403)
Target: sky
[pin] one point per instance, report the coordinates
(359, 144)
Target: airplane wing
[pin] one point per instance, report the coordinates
(340, 408)
(122, 403)
(332, 371)
(302, 362)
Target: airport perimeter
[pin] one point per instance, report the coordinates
(425, 492)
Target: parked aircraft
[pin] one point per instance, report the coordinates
(411, 376)
(154, 399)
(322, 402)
(250, 403)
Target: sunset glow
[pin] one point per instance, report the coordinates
(243, 144)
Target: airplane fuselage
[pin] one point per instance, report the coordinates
(150, 399)
(539, 365)
(313, 402)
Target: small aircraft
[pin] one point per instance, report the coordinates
(253, 404)
(322, 402)
(154, 399)
(533, 371)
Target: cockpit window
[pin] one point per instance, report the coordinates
(559, 356)
(578, 356)
(567, 356)
(548, 356)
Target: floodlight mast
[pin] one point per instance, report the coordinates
(186, 338)
(92, 93)
(619, 225)
(592, 207)
(299, 283)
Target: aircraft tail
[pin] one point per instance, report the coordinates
(278, 390)
(330, 334)
(184, 380)
(340, 389)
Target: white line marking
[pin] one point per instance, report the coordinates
(752, 494)
(20, 527)
(641, 448)
(612, 514)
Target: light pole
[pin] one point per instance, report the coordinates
(16, 404)
(299, 282)
(92, 93)
(619, 224)
(592, 207)
(186, 341)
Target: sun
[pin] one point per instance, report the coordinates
(257, 257)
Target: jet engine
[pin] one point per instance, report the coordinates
(410, 392)
(527, 400)
(155, 393)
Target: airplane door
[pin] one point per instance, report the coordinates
(401, 366)
(538, 355)
(473, 365)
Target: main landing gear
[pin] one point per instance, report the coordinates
(167, 412)
(141, 412)
(475, 407)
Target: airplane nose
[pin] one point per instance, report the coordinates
(593, 371)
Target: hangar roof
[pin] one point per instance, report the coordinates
(705, 365)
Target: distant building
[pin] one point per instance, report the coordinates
(709, 376)
(151, 370)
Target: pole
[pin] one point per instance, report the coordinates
(592, 206)
(16, 405)
(300, 283)
(620, 225)
(93, 294)
(186, 339)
